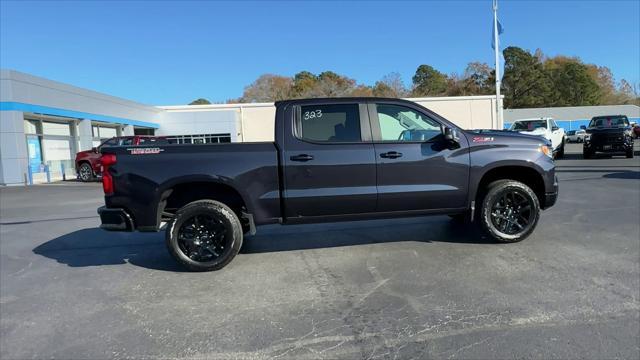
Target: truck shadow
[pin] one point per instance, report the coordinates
(317, 236)
(96, 247)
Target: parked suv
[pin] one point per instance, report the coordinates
(88, 164)
(576, 135)
(608, 134)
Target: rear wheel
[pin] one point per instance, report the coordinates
(204, 235)
(510, 211)
(85, 172)
(586, 153)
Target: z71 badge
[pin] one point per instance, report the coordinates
(479, 139)
(144, 151)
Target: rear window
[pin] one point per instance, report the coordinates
(152, 140)
(529, 125)
(330, 123)
(609, 121)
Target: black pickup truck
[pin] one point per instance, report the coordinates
(608, 134)
(332, 160)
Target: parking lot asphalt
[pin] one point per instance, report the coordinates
(405, 288)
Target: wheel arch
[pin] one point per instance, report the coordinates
(525, 174)
(177, 193)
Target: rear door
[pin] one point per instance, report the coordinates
(417, 168)
(330, 168)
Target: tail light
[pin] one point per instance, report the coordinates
(107, 180)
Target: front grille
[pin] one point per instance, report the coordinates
(607, 139)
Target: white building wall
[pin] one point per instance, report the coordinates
(198, 122)
(13, 148)
(23, 88)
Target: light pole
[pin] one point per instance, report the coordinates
(496, 47)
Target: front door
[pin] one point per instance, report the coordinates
(330, 168)
(417, 168)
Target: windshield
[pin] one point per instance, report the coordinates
(529, 125)
(609, 121)
(571, 132)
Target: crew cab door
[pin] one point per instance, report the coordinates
(329, 163)
(417, 169)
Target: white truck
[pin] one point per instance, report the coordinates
(545, 127)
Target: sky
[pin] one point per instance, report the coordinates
(170, 53)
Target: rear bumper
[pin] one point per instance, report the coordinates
(115, 219)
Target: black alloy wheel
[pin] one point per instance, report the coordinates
(512, 212)
(204, 235)
(203, 238)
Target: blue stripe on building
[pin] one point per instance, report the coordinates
(46, 110)
(575, 124)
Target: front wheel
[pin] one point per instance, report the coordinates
(204, 235)
(587, 154)
(85, 172)
(510, 211)
(629, 153)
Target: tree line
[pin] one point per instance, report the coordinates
(530, 80)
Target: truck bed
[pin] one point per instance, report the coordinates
(142, 176)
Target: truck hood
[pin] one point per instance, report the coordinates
(477, 137)
(536, 132)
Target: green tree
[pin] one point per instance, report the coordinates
(391, 85)
(267, 88)
(525, 82)
(304, 84)
(428, 81)
(200, 101)
(574, 85)
(331, 84)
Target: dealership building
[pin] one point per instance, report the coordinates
(43, 123)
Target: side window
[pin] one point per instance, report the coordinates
(399, 123)
(110, 142)
(127, 141)
(330, 123)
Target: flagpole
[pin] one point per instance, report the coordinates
(497, 53)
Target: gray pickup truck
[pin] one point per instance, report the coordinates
(332, 160)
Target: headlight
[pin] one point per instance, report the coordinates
(587, 137)
(546, 150)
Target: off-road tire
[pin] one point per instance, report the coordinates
(214, 209)
(495, 190)
(629, 153)
(587, 154)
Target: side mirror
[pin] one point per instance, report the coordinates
(94, 149)
(451, 135)
(554, 128)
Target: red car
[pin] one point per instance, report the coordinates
(88, 162)
(636, 131)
